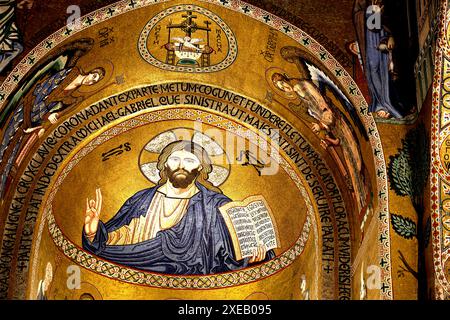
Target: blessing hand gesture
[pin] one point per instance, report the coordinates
(92, 217)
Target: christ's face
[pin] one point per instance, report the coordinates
(182, 168)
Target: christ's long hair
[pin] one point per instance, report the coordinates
(193, 148)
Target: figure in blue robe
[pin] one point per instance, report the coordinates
(199, 244)
(381, 88)
(376, 53)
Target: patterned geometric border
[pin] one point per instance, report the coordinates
(443, 135)
(147, 56)
(122, 273)
(438, 121)
(303, 39)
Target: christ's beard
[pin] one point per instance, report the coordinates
(181, 178)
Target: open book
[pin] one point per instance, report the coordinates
(250, 223)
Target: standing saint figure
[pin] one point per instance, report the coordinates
(376, 44)
(174, 227)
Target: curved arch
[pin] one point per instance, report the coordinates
(332, 68)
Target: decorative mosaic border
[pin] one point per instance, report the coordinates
(129, 275)
(444, 131)
(118, 272)
(147, 56)
(304, 40)
(440, 120)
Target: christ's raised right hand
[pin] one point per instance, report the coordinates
(93, 209)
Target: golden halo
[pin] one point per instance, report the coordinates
(148, 158)
(109, 71)
(269, 72)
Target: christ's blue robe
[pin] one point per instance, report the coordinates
(199, 244)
